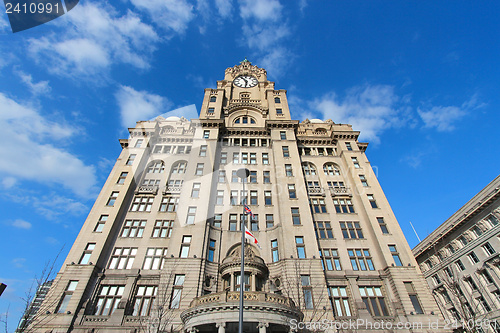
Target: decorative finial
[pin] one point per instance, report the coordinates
(245, 61)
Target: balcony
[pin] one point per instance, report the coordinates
(147, 189)
(340, 191)
(172, 189)
(314, 190)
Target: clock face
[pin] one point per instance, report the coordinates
(245, 81)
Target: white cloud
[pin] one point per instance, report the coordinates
(172, 15)
(9, 182)
(264, 10)
(19, 262)
(27, 154)
(94, 38)
(4, 25)
(224, 7)
(138, 105)
(21, 224)
(38, 88)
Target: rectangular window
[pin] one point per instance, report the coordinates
(222, 176)
(274, 250)
(186, 243)
(330, 259)
(236, 158)
(486, 307)
(268, 198)
(295, 215)
(351, 230)
(133, 228)
(203, 150)
(395, 255)
(233, 222)
(219, 199)
(348, 146)
(460, 265)
(343, 206)
(84, 260)
(234, 198)
(67, 296)
(100, 223)
(211, 110)
(112, 199)
(471, 283)
(373, 203)
(265, 158)
(488, 249)
(374, 300)
(473, 258)
(169, 204)
(317, 205)
(234, 176)
(306, 288)
(191, 215)
(107, 300)
(206, 134)
(244, 158)
(282, 135)
(211, 250)
(413, 297)
(155, 257)
(199, 169)
(121, 179)
(142, 204)
(279, 112)
(286, 152)
(340, 302)
(253, 197)
(254, 222)
(288, 170)
(131, 159)
(223, 158)
(253, 177)
(138, 143)
(269, 220)
(267, 177)
(492, 219)
(244, 197)
(195, 192)
(355, 162)
(162, 229)
(382, 225)
(361, 259)
(177, 291)
(364, 182)
(487, 277)
(299, 244)
(253, 158)
(292, 193)
(122, 258)
(144, 300)
(323, 230)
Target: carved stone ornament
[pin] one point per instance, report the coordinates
(245, 68)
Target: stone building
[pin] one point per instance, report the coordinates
(160, 249)
(461, 262)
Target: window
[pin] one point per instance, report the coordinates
(195, 192)
(323, 230)
(154, 258)
(317, 205)
(112, 199)
(122, 258)
(282, 135)
(244, 197)
(309, 169)
(244, 158)
(292, 194)
(100, 223)
(217, 222)
(395, 255)
(219, 199)
(351, 230)
(348, 146)
(254, 222)
(177, 291)
(233, 222)
(84, 260)
(488, 249)
(339, 301)
(436, 279)
(299, 244)
(295, 215)
(492, 219)
(203, 150)
(267, 177)
(330, 259)
(484, 304)
(206, 134)
(373, 203)
(121, 179)
(268, 198)
(156, 167)
(413, 297)
(162, 229)
(199, 169)
(463, 240)
(253, 158)
(382, 225)
(279, 112)
(269, 220)
(246, 282)
(222, 176)
(236, 158)
(487, 277)
(186, 243)
(211, 250)
(274, 250)
(133, 228)
(286, 152)
(213, 99)
(234, 176)
(107, 300)
(138, 143)
(131, 159)
(473, 258)
(343, 206)
(67, 296)
(355, 162)
(223, 158)
(331, 169)
(471, 283)
(253, 177)
(364, 182)
(451, 249)
(142, 204)
(169, 204)
(191, 215)
(288, 170)
(360, 259)
(277, 100)
(265, 158)
(144, 300)
(306, 288)
(211, 110)
(253, 197)
(460, 265)
(374, 301)
(234, 198)
(179, 167)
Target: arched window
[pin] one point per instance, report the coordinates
(309, 169)
(179, 167)
(277, 100)
(245, 120)
(156, 167)
(213, 98)
(331, 169)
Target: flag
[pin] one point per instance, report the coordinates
(251, 237)
(248, 211)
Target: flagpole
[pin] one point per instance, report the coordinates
(242, 173)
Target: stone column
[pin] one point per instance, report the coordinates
(252, 282)
(231, 282)
(221, 326)
(262, 327)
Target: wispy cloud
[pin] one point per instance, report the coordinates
(21, 224)
(37, 88)
(224, 7)
(171, 15)
(139, 105)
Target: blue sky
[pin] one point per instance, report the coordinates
(418, 79)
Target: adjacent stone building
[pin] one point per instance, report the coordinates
(160, 249)
(461, 262)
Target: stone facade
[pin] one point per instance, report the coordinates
(160, 249)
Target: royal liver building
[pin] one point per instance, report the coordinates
(160, 250)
